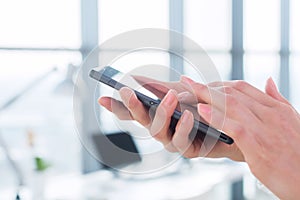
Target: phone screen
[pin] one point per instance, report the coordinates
(116, 79)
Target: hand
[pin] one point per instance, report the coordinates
(264, 126)
(170, 92)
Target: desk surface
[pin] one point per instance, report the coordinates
(190, 182)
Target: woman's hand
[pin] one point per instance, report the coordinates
(264, 126)
(172, 95)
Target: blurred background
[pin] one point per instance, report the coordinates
(246, 39)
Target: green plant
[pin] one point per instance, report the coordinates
(40, 164)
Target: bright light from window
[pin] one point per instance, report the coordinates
(259, 67)
(19, 68)
(295, 27)
(34, 23)
(208, 22)
(117, 16)
(262, 25)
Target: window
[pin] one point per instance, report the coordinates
(116, 16)
(210, 26)
(261, 41)
(210, 23)
(33, 23)
(36, 37)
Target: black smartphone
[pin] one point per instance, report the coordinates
(200, 129)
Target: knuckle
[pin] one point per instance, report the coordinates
(214, 84)
(158, 135)
(255, 165)
(122, 117)
(283, 112)
(200, 87)
(132, 104)
(240, 85)
(160, 112)
(178, 144)
(170, 148)
(238, 131)
(261, 162)
(188, 154)
(227, 90)
(285, 124)
(286, 109)
(231, 101)
(164, 112)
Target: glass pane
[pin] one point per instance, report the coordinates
(262, 25)
(208, 22)
(259, 67)
(295, 26)
(117, 16)
(135, 59)
(222, 63)
(33, 23)
(19, 68)
(42, 111)
(295, 81)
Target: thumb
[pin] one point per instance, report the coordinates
(271, 90)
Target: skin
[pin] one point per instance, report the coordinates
(264, 125)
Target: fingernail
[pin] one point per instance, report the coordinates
(185, 116)
(187, 97)
(273, 85)
(204, 108)
(125, 94)
(187, 80)
(183, 95)
(100, 101)
(170, 97)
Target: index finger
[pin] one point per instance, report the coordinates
(248, 90)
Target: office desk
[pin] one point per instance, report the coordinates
(197, 182)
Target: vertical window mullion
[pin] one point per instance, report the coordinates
(237, 51)
(237, 71)
(89, 36)
(284, 48)
(176, 24)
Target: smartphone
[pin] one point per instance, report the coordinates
(200, 129)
